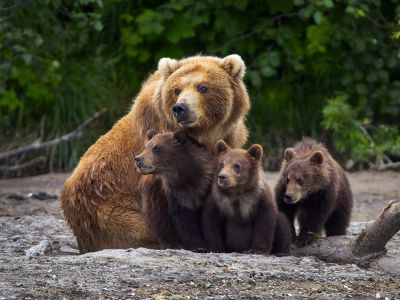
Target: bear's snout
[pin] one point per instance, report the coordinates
(289, 198)
(223, 179)
(138, 160)
(180, 110)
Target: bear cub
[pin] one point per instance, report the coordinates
(185, 169)
(240, 214)
(314, 188)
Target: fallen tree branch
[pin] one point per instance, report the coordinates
(374, 238)
(28, 164)
(367, 249)
(65, 138)
(388, 166)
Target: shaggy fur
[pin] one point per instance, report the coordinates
(185, 169)
(240, 214)
(100, 200)
(313, 187)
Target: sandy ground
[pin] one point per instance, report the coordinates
(145, 273)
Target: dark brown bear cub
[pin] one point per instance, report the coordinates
(185, 169)
(240, 214)
(313, 187)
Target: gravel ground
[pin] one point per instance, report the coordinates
(174, 274)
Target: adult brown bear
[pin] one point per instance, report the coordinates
(202, 94)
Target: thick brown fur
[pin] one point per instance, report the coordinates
(100, 200)
(185, 169)
(240, 214)
(314, 188)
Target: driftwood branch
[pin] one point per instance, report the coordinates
(374, 238)
(25, 165)
(367, 249)
(65, 138)
(388, 166)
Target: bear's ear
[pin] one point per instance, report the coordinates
(317, 158)
(234, 65)
(289, 154)
(255, 151)
(167, 66)
(220, 147)
(150, 134)
(181, 136)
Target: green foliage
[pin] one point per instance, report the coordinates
(62, 60)
(359, 139)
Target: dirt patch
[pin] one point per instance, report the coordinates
(145, 273)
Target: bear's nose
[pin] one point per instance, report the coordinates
(222, 177)
(180, 109)
(137, 159)
(288, 198)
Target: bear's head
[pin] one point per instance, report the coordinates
(201, 93)
(238, 167)
(303, 175)
(161, 153)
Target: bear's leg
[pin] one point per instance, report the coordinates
(213, 227)
(108, 225)
(187, 226)
(311, 223)
(337, 223)
(339, 220)
(120, 227)
(283, 236)
(289, 210)
(155, 208)
(264, 227)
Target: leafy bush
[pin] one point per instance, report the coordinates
(62, 60)
(361, 141)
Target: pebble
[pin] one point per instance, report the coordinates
(41, 249)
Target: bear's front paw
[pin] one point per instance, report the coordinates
(305, 239)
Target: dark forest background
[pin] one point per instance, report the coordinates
(321, 68)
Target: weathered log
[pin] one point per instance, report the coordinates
(38, 145)
(366, 250)
(25, 165)
(374, 238)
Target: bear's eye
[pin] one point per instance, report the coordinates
(202, 89)
(177, 91)
(300, 181)
(221, 165)
(156, 149)
(236, 167)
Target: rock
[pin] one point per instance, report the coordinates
(69, 250)
(42, 196)
(41, 249)
(17, 197)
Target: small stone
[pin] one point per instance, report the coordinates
(378, 296)
(41, 249)
(16, 238)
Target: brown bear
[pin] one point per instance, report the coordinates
(313, 187)
(202, 94)
(240, 213)
(185, 169)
